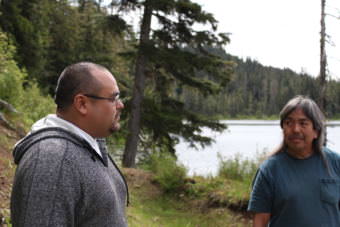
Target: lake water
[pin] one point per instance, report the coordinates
(244, 138)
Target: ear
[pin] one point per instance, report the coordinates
(316, 134)
(81, 104)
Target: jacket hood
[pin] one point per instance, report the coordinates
(53, 121)
(49, 121)
(44, 133)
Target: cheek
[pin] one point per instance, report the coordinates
(285, 136)
(285, 132)
(103, 112)
(108, 112)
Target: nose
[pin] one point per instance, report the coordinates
(296, 127)
(119, 104)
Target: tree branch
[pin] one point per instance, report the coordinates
(7, 106)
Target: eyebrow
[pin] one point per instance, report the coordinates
(299, 119)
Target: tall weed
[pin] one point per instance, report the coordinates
(168, 173)
(240, 169)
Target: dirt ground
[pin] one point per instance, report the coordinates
(7, 168)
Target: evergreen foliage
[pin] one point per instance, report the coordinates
(26, 22)
(50, 35)
(171, 55)
(259, 91)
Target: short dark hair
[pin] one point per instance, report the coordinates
(76, 78)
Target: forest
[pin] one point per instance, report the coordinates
(260, 91)
(175, 78)
(168, 73)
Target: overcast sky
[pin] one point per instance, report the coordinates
(280, 33)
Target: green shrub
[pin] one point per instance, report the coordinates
(168, 173)
(240, 169)
(203, 186)
(33, 105)
(24, 95)
(11, 77)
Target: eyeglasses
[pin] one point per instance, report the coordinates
(114, 99)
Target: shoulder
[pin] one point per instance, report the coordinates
(56, 144)
(273, 161)
(64, 150)
(331, 155)
(271, 166)
(333, 158)
(46, 153)
(51, 148)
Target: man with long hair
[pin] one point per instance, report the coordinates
(299, 184)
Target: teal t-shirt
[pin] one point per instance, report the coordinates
(298, 192)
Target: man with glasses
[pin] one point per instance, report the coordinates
(298, 185)
(65, 176)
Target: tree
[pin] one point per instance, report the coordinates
(51, 34)
(170, 56)
(323, 58)
(27, 22)
(138, 90)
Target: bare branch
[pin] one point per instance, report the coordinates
(336, 17)
(7, 106)
(5, 123)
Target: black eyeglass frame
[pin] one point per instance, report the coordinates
(113, 99)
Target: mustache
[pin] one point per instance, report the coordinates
(117, 115)
(296, 136)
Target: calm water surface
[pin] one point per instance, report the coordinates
(244, 138)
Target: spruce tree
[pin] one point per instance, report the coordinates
(171, 55)
(26, 21)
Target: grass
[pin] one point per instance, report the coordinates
(221, 192)
(174, 213)
(151, 207)
(195, 201)
(231, 187)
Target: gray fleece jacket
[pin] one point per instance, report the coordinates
(61, 181)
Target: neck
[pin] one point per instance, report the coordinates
(67, 116)
(77, 120)
(300, 154)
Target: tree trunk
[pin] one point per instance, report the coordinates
(138, 92)
(323, 59)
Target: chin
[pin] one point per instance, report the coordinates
(296, 149)
(115, 128)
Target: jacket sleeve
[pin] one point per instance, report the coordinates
(46, 187)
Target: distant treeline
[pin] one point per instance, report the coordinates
(260, 91)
